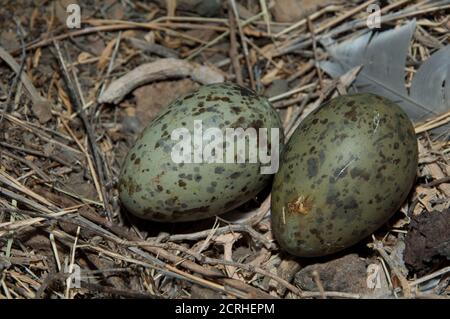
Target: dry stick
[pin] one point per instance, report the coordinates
(319, 284)
(378, 246)
(281, 281)
(37, 131)
(293, 46)
(10, 181)
(111, 62)
(284, 104)
(203, 259)
(36, 98)
(303, 21)
(253, 292)
(88, 158)
(430, 276)
(123, 25)
(143, 244)
(118, 292)
(150, 25)
(119, 231)
(266, 14)
(220, 37)
(153, 48)
(354, 25)
(265, 55)
(244, 44)
(89, 131)
(316, 60)
(259, 214)
(224, 230)
(36, 153)
(168, 269)
(18, 74)
(234, 56)
(437, 182)
(293, 91)
(30, 164)
(346, 15)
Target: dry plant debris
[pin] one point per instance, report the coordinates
(61, 148)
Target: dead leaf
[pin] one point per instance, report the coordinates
(64, 97)
(106, 53)
(83, 57)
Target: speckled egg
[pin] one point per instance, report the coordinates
(345, 171)
(153, 186)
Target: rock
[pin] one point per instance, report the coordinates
(427, 241)
(346, 274)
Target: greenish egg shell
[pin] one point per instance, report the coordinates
(345, 171)
(152, 186)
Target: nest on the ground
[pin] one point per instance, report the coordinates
(63, 233)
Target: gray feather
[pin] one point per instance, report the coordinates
(383, 58)
(431, 84)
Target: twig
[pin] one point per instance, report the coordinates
(36, 153)
(159, 70)
(234, 56)
(378, 246)
(161, 253)
(30, 164)
(316, 60)
(430, 276)
(437, 182)
(244, 44)
(13, 88)
(319, 284)
(223, 35)
(89, 131)
(224, 230)
(118, 292)
(34, 94)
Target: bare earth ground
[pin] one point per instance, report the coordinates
(61, 151)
